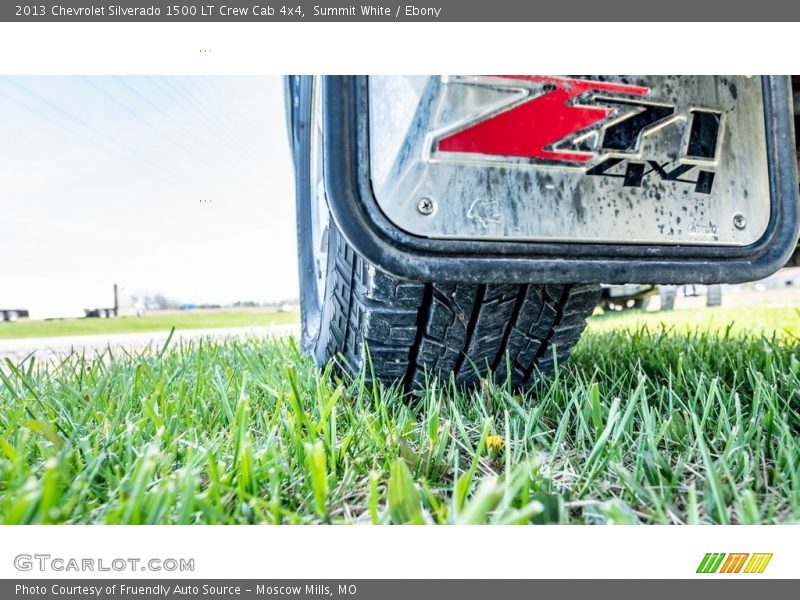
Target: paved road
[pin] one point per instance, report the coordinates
(45, 348)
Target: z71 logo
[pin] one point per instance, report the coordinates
(597, 126)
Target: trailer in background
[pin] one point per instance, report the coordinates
(60, 298)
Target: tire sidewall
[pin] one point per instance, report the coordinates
(314, 316)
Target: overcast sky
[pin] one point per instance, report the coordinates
(174, 184)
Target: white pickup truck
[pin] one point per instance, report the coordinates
(461, 224)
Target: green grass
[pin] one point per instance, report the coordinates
(754, 320)
(650, 426)
(194, 319)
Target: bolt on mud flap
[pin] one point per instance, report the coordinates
(543, 179)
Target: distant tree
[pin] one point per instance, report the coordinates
(161, 302)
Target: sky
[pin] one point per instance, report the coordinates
(178, 185)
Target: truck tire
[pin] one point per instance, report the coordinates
(357, 315)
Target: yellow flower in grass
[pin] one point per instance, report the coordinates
(495, 444)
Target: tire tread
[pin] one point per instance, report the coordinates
(412, 330)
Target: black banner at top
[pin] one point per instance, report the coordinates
(392, 11)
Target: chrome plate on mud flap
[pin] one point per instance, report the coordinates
(624, 160)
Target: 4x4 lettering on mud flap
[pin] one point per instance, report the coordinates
(635, 172)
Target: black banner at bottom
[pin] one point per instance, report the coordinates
(733, 588)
